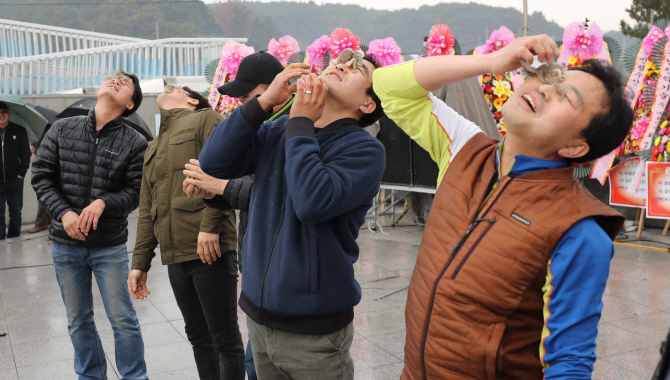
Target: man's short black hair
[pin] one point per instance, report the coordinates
(3, 106)
(137, 95)
(608, 129)
(202, 101)
(370, 118)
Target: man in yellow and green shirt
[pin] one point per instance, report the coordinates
(515, 255)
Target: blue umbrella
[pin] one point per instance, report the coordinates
(25, 116)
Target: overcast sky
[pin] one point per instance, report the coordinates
(607, 13)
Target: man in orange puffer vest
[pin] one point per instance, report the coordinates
(515, 255)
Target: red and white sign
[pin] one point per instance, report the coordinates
(658, 193)
(621, 176)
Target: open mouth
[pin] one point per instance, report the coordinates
(113, 84)
(530, 101)
(335, 73)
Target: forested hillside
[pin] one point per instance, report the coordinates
(470, 23)
(190, 18)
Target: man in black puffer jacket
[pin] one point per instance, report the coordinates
(87, 174)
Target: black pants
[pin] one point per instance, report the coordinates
(11, 193)
(43, 218)
(207, 297)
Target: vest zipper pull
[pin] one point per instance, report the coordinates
(460, 242)
(467, 233)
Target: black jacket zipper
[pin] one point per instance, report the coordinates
(92, 169)
(473, 224)
(267, 270)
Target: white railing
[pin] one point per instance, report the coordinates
(22, 39)
(48, 73)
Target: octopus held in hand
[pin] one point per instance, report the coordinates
(548, 74)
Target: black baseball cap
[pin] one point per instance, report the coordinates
(255, 69)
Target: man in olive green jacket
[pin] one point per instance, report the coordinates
(197, 243)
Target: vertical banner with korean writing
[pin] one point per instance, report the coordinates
(660, 101)
(219, 79)
(635, 80)
(621, 176)
(658, 190)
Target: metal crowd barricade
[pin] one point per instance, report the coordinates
(48, 73)
(22, 39)
(398, 195)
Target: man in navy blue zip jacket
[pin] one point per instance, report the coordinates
(316, 173)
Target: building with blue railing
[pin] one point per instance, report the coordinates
(39, 59)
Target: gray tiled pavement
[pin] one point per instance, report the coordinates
(635, 319)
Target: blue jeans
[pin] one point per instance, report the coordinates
(74, 266)
(11, 193)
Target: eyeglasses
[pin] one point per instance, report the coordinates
(120, 77)
(170, 88)
(4, 112)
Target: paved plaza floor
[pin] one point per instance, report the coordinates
(635, 319)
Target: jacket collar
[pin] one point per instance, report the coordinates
(114, 124)
(175, 112)
(525, 164)
(168, 117)
(337, 125)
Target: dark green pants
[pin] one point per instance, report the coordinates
(283, 355)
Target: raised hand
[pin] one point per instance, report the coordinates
(508, 58)
(433, 73)
(279, 89)
(310, 98)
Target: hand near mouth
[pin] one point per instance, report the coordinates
(310, 99)
(279, 90)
